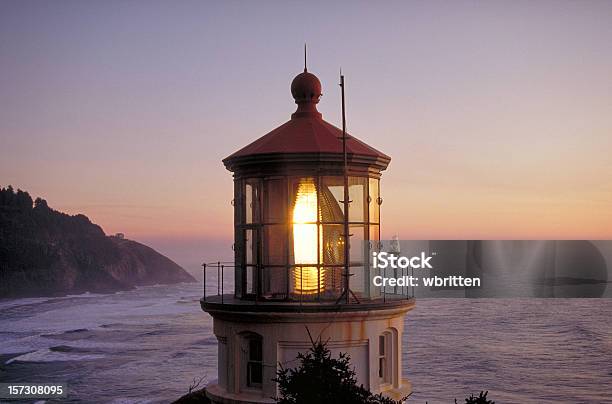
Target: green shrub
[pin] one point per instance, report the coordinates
(322, 379)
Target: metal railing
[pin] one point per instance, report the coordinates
(218, 268)
(395, 291)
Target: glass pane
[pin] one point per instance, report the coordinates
(374, 206)
(374, 232)
(248, 202)
(333, 244)
(305, 236)
(373, 245)
(357, 196)
(357, 254)
(251, 281)
(255, 349)
(305, 244)
(251, 246)
(252, 201)
(306, 281)
(332, 193)
(332, 285)
(275, 283)
(374, 240)
(358, 247)
(303, 199)
(251, 259)
(381, 345)
(255, 374)
(238, 204)
(275, 244)
(357, 280)
(275, 201)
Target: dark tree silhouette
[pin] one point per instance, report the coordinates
(19, 200)
(481, 399)
(322, 379)
(40, 203)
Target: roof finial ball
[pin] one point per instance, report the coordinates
(306, 90)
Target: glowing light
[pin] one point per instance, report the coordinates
(306, 239)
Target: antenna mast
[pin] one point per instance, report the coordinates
(347, 292)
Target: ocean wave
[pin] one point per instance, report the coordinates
(18, 344)
(112, 325)
(86, 294)
(10, 303)
(185, 300)
(47, 355)
(212, 340)
(152, 333)
(77, 330)
(68, 349)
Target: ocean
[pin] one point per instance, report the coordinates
(149, 344)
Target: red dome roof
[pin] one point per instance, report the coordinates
(306, 131)
(306, 135)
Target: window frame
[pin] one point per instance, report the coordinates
(254, 363)
(386, 357)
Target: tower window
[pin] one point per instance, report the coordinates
(255, 362)
(384, 357)
(381, 357)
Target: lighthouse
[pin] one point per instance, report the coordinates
(307, 200)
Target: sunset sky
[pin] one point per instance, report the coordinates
(497, 115)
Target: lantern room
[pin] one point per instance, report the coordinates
(289, 210)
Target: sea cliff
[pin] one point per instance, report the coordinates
(44, 252)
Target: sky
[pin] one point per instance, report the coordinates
(497, 115)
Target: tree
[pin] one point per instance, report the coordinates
(20, 199)
(40, 203)
(23, 200)
(322, 379)
(481, 399)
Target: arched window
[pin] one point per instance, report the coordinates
(252, 360)
(255, 363)
(386, 355)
